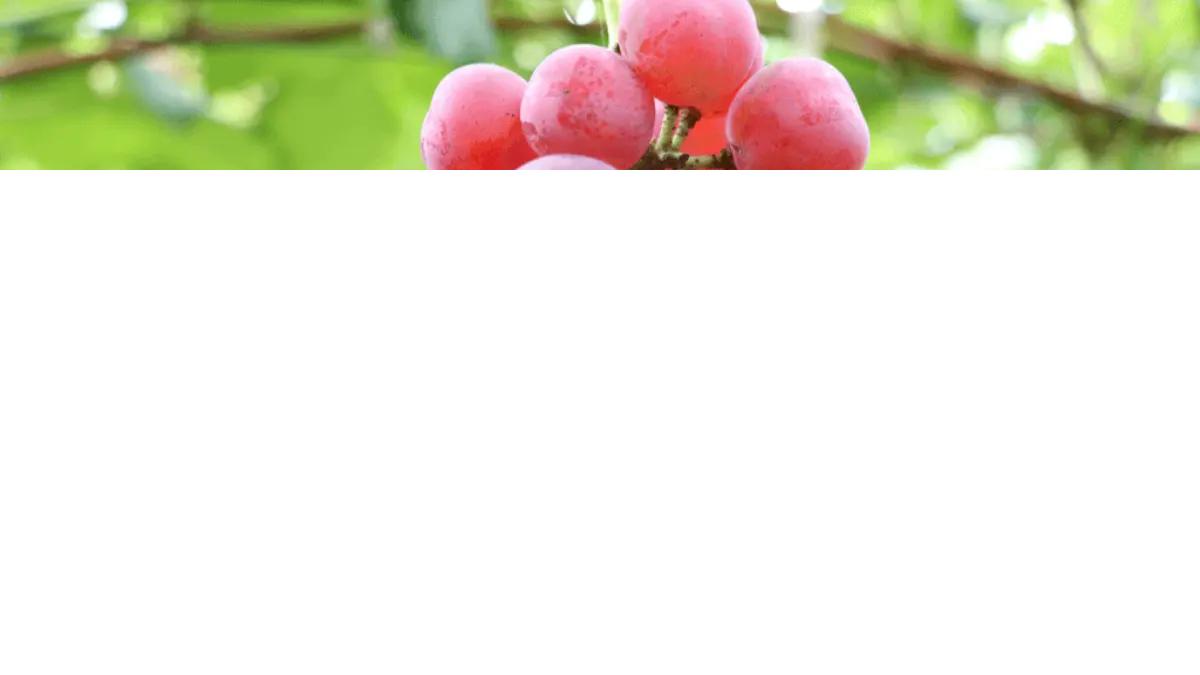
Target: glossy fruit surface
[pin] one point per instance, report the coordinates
(798, 114)
(473, 122)
(586, 100)
(690, 53)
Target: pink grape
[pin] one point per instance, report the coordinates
(566, 163)
(690, 53)
(474, 121)
(707, 137)
(586, 100)
(722, 106)
(796, 114)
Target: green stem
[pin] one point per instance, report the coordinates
(721, 160)
(688, 117)
(667, 134)
(612, 20)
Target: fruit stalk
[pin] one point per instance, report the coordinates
(687, 120)
(667, 134)
(612, 20)
(721, 160)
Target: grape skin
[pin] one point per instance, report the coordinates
(566, 163)
(798, 114)
(690, 53)
(723, 106)
(473, 122)
(586, 100)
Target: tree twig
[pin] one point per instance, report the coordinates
(966, 72)
(39, 62)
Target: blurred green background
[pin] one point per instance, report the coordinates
(344, 84)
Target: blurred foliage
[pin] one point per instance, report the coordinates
(280, 96)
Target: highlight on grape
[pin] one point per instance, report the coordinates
(685, 88)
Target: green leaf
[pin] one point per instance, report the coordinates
(55, 121)
(14, 12)
(334, 107)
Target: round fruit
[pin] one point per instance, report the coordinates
(586, 100)
(795, 114)
(566, 163)
(690, 53)
(474, 121)
(721, 107)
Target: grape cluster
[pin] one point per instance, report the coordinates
(688, 89)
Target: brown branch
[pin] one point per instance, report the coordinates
(966, 72)
(308, 33)
(39, 62)
(507, 23)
